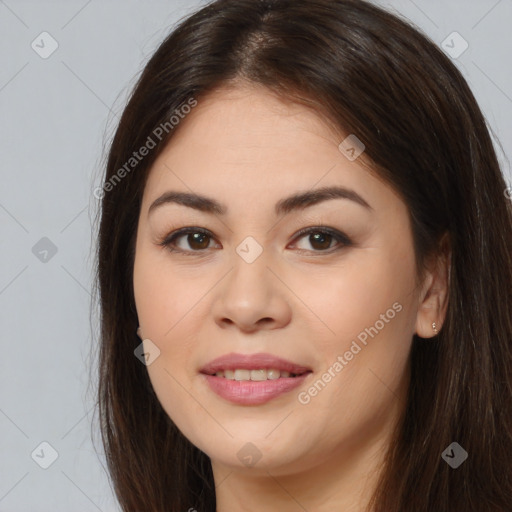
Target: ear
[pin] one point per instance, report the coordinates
(433, 299)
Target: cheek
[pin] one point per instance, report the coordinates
(165, 307)
(368, 307)
(351, 298)
(164, 297)
(171, 306)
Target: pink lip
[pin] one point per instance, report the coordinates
(252, 392)
(258, 361)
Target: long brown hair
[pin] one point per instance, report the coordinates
(376, 76)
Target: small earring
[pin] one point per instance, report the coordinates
(434, 327)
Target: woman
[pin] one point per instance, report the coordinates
(304, 272)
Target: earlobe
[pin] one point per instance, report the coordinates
(434, 296)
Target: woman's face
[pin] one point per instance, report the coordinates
(343, 308)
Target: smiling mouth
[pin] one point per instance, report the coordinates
(256, 375)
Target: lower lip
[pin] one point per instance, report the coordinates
(250, 392)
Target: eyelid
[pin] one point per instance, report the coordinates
(342, 239)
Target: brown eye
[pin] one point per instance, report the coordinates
(197, 241)
(320, 241)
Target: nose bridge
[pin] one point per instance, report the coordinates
(250, 278)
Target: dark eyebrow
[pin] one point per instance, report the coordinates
(298, 201)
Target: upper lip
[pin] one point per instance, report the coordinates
(258, 361)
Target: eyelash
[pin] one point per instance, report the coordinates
(169, 241)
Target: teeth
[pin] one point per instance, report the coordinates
(257, 375)
(242, 374)
(273, 374)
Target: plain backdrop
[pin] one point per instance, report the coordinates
(57, 110)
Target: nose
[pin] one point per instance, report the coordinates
(251, 298)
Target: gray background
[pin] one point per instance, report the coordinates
(57, 113)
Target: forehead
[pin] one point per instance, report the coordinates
(247, 143)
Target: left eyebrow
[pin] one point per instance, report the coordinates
(297, 201)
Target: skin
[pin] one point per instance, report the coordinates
(248, 149)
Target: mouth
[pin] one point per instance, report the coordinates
(253, 379)
(260, 374)
(257, 367)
